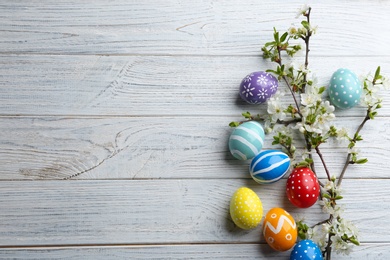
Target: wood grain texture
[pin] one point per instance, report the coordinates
(168, 211)
(372, 251)
(151, 85)
(155, 147)
(186, 27)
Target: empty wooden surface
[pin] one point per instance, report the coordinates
(114, 125)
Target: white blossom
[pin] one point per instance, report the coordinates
(275, 108)
(327, 106)
(311, 96)
(370, 95)
(341, 246)
(322, 124)
(348, 228)
(302, 10)
(354, 150)
(292, 31)
(313, 29)
(284, 130)
(268, 126)
(342, 134)
(293, 65)
(386, 83)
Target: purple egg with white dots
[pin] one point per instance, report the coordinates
(306, 250)
(345, 89)
(257, 87)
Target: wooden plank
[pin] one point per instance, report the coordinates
(154, 147)
(188, 27)
(153, 85)
(374, 251)
(162, 211)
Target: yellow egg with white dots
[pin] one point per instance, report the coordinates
(246, 208)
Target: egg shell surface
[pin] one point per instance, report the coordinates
(246, 140)
(306, 250)
(344, 89)
(246, 208)
(257, 87)
(279, 229)
(302, 187)
(269, 166)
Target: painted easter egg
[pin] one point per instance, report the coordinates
(306, 250)
(344, 89)
(269, 166)
(279, 229)
(246, 140)
(246, 208)
(257, 87)
(302, 187)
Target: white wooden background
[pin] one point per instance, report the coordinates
(114, 125)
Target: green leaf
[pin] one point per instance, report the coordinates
(272, 71)
(362, 161)
(338, 197)
(377, 73)
(247, 115)
(306, 25)
(284, 37)
(309, 161)
(372, 115)
(234, 124)
(269, 44)
(354, 241)
(276, 37)
(358, 138)
(321, 90)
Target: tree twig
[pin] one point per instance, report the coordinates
(348, 160)
(323, 162)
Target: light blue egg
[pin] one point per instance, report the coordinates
(247, 140)
(269, 166)
(344, 89)
(306, 250)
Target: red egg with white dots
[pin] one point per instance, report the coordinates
(302, 187)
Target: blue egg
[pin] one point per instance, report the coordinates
(269, 166)
(306, 250)
(344, 89)
(246, 140)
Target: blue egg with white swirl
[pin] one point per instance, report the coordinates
(344, 89)
(246, 140)
(306, 250)
(269, 166)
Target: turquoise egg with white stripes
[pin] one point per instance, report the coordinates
(246, 140)
(344, 89)
(269, 166)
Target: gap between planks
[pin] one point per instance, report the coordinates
(145, 245)
(174, 55)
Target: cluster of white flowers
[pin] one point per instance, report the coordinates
(328, 204)
(370, 95)
(298, 31)
(343, 232)
(317, 114)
